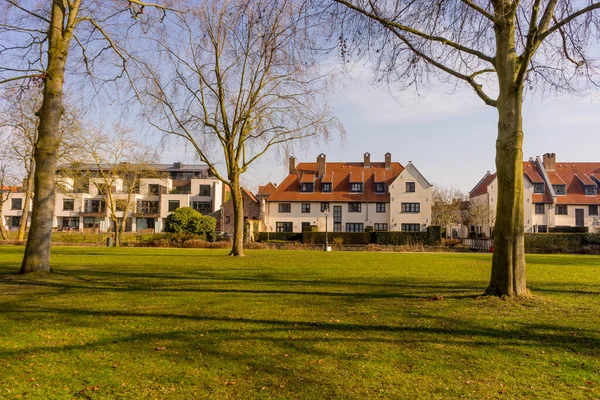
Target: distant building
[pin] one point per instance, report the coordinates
(80, 205)
(351, 196)
(251, 211)
(556, 194)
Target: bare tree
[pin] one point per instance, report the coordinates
(446, 204)
(239, 78)
(115, 164)
(18, 116)
(7, 178)
(37, 41)
(477, 214)
(498, 48)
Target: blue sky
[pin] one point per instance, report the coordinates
(448, 133)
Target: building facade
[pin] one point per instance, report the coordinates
(557, 194)
(350, 197)
(82, 196)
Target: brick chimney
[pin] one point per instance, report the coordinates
(292, 165)
(550, 161)
(321, 161)
(367, 160)
(388, 161)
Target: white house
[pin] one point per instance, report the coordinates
(350, 197)
(562, 194)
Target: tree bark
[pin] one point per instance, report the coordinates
(37, 250)
(508, 262)
(237, 248)
(28, 195)
(117, 228)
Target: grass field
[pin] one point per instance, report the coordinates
(193, 323)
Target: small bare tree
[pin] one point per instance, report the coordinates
(7, 178)
(478, 213)
(115, 164)
(46, 42)
(18, 116)
(498, 48)
(446, 207)
(239, 78)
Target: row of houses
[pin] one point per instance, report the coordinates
(333, 196)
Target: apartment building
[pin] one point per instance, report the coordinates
(82, 195)
(557, 194)
(349, 197)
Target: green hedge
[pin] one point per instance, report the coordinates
(346, 237)
(291, 236)
(432, 237)
(562, 242)
(569, 229)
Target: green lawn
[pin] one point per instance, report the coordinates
(194, 323)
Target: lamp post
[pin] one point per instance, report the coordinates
(326, 230)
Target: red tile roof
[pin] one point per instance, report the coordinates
(530, 169)
(576, 175)
(266, 190)
(555, 179)
(339, 175)
(481, 187)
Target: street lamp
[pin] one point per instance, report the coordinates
(326, 212)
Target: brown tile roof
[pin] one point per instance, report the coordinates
(481, 187)
(266, 190)
(576, 175)
(339, 175)
(541, 197)
(308, 177)
(555, 179)
(249, 194)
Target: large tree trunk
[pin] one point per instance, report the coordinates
(237, 248)
(37, 250)
(28, 195)
(508, 261)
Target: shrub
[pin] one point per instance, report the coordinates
(569, 229)
(562, 242)
(278, 236)
(347, 237)
(188, 220)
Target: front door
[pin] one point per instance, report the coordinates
(579, 217)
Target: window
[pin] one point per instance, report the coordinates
(356, 187)
(68, 204)
(562, 209)
(227, 219)
(538, 188)
(307, 187)
(153, 190)
(411, 207)
(337, 214)
(305, 226)
(285, 207)
(324, 206)
(539, 208)
(542, 228)
(204, 190)
(411, 228)
(305, 208)
(380, 227)
(16, 204)
(380, 207)
(379, 187)
(593, 210)
(326, 187)
(15, 221)
(284, 227)
(410, 187)
(560, 190)
(590, 190)
(147, 207)
(337, 226)
(353, 207)
(120, 205)
(203, 207)
(354, 227)
(173, 205)
(95, 206)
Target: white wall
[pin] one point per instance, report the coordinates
(399, 195)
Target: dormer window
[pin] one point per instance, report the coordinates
(560, 190)
(326, 187)
(308, 187)
(591, 190)
(379, 187)
(356, 187)
(538, 188)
